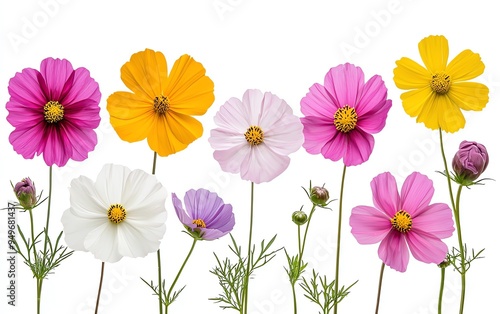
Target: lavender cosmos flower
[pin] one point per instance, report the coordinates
(470, 161)
(26, 193)
(206, 215)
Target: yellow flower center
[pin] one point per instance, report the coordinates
(161, 105)
(116, 213)
(345, 119)
(440, 83)
(53, 112)
(200, 223)
(254, 135)
(401, 221)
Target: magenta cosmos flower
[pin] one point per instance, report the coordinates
(206, 215)
(403, 220)
(54, 112)
(255, 135)
(341, 115)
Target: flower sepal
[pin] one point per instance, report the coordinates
(195, 233)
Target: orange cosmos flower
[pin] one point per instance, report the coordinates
(161, 104)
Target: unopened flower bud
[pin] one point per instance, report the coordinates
(319, 195)
(470, 161)
(299, 217)
(26, 193)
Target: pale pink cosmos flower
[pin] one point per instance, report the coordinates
(341, 115)
(402, 221)
(255, 135)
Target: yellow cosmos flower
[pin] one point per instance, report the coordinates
(161, 104)
(439, 91)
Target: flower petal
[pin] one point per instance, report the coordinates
(393, 251)
(372, 97)
(131, 115)
(262, 164)
(223, 139)
(434, 53)
(469, 95)
(252, 101)
(24, 90)
(162, 139)
(181, 213)
(374, 122)
(188, 89)
(84, 200)
(359, 148)
(426, 248)
(318, 102)
(233, 116)
(345, 83)
(146, 73)
(82, 88)
(317, 133)
(230, 160)
(336, 147)
(414, 101)
(185, 128)
(435, 219)
(77, 228)
(369, 225)
(385, 194)
(138, 242)
(465, 66)
(416, 193)
(110, 182)
(410, 75)
(103, 243)
(285, 136)
(55, 72)
(143, 195)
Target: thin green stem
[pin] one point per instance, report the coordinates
(441, 289)
(462, 251)
(298, 236)
(337, 262)
(179, 274)
(99, 290)
(46, 239)
(301, 252)
(38, 288)
(247, 273)
(379, 287)
(158, 255)
(294, 300)
(446, 172)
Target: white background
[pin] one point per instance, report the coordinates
(278, 46)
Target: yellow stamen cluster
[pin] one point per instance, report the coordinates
(440, 83)
(401, 221)
(53, 112)
(199, 223)
(254, 135)
(345, 119)
(116, 213)
(161, 105)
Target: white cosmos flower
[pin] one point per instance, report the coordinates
(121, 214)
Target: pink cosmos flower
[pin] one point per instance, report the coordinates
(255, 135)
(341, 115)
(403, 220)
(54, 112)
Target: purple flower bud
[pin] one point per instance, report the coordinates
(319, 195)
(26, 193)
(470, 161)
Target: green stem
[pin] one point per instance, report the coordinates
(247, 273)
(40, 280)
(158, 254)
(99, 290)
(379, 287)
(179, 274)
(337, 262)
(38, 288)
(301, 253)
(462, 251)
(441, 289)
(446, 172)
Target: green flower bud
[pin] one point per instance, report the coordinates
(299, 217)
(319, 196)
